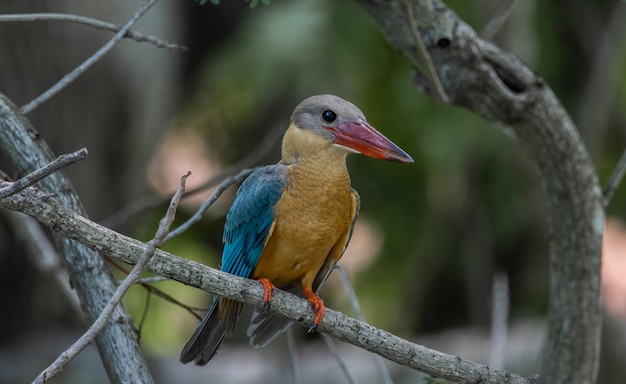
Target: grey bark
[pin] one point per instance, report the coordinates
(495, 85)
(91, 278)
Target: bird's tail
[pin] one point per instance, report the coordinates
(216, 325)
(265, 327)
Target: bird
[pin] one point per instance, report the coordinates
(290, 222)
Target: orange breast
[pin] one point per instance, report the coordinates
(313, 214)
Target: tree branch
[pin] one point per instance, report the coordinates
(70, 77)
(97, 326)
(33, 177)
(46, 209)
(98, 24)
(241, 175)
(497, 86)
(90, 277)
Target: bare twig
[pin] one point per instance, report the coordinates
(356, 306)
(431, 71)
(70, 77)
(150, 280)
(434, 363)
(614, 180)
(499, 320)
(159, 293)
(207, 204)
(98, 24)
(342, 364)
(149, 251)
(33, 177)
(144, 316)
(498, 19)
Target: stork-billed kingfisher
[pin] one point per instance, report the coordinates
(291, 222)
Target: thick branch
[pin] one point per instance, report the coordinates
(47, 210)
(497, 86)
(92, 280)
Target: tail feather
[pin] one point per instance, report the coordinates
(264, 327)
(207, 338)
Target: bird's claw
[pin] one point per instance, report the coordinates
(318, 306)
(268, 288)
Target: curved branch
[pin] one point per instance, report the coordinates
(497, 86)
(46, 209)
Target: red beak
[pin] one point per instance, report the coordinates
(361, 137)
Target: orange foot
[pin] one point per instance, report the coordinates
(318, 305)
(267, 292)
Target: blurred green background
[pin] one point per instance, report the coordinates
(434, 233)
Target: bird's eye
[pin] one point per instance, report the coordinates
(329, 116)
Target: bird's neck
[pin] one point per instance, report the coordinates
(311, 154)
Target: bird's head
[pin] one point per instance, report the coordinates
(343, 125)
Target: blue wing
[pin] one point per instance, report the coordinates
(247, 224)
(250, 218)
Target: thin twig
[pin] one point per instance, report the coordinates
(159, 293)
(499, 320)
(33, 177)
(151, 247)
(614, 180)
(153, 279)
(70, 77)
(342, 364)
(205, 206)
(356, 306)
(98, 24)
(144, 316)
(440, 93)
(497, 20)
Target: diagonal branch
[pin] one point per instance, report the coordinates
(207, 204)
(98, 24)
(97, 326)
(70, 77)
(47, 210)
(33, 177)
